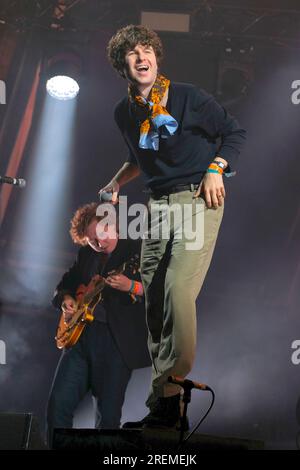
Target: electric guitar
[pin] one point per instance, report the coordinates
(87, 297)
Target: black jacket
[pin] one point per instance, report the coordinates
(125, 319)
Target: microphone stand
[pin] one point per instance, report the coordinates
(187, 389)
(187, 386)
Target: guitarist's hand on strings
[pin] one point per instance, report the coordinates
(68, 307)
(119, 282)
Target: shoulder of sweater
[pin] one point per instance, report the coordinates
(183, 87)
(178, 87)
(190, 90)
(120, 105)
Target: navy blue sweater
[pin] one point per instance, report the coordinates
(205, 130)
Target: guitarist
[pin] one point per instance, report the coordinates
(112, 345)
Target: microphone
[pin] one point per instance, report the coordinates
(14, 181)
(104, 196)
(186, 383)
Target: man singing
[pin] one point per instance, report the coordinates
(182, 142)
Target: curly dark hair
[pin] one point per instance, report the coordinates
(126, 39)
(82, 219)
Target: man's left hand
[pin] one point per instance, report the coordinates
(212, 187)
(119, 282)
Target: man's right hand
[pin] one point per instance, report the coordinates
(112, 187)
(69, 307)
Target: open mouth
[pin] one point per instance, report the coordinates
(142, 68)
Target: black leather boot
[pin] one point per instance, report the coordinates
(165, 413)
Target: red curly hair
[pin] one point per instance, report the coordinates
(82, 219)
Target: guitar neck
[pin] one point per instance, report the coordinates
(100, 284)
(87, 298)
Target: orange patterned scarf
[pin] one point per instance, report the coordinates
(159, 123)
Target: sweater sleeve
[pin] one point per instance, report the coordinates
(218, 123)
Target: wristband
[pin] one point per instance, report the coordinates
(216, 168)
(220, 164)
(131, 288)
(134, 288)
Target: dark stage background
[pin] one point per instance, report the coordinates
(248, 310)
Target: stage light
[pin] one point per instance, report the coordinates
(63, 75)
(47, 198)
(62, 87)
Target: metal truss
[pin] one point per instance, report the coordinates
(211, 20)
(268, 26)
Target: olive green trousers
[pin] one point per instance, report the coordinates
(177, 249)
